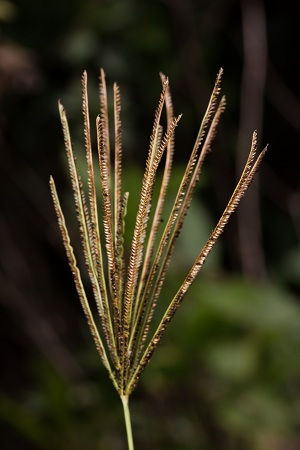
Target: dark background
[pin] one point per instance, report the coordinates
(227, 373)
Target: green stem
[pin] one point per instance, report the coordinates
(125, 401)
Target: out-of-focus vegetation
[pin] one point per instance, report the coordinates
(227, 375)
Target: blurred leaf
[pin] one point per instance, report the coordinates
(8, 10)
(233, 360)
(256, 409)
(79, 46)
(24, 423)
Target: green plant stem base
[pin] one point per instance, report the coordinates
(125, 401)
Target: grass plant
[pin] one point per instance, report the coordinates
(126, 290)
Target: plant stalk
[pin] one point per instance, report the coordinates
(125, 402)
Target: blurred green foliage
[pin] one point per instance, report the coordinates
(227, 375)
